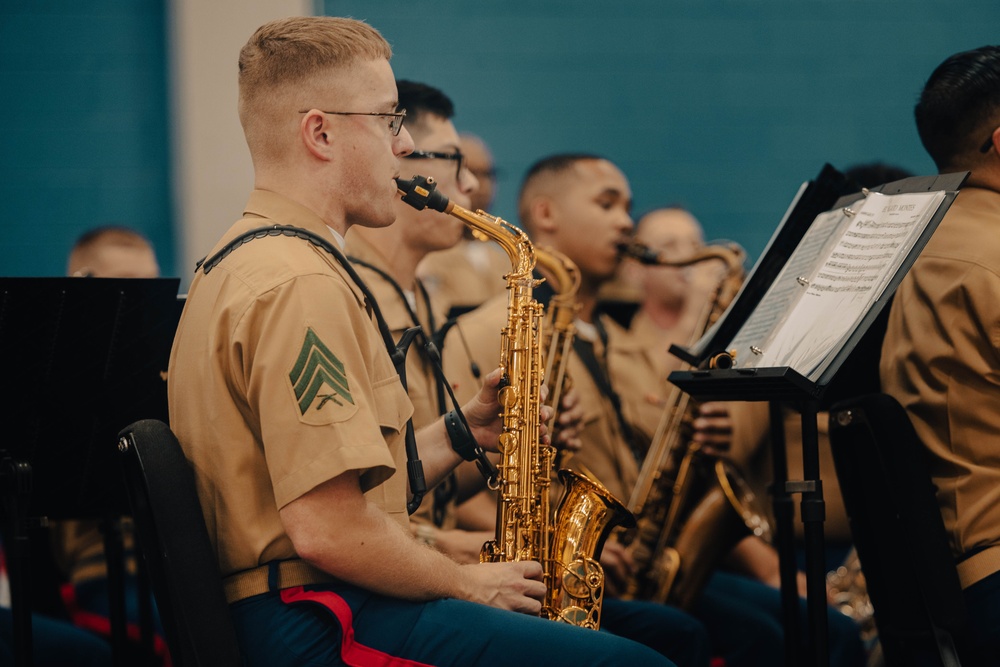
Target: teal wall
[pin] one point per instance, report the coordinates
(724, 106)
(84, 128)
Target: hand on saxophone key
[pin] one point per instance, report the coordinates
(569, 423)
(515, 586)
(713, 428)
(483, 413)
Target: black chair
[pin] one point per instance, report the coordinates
(898, 531)
(174, 543)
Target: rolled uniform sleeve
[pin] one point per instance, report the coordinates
(307, 381)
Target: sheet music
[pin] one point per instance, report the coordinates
(786, 289)
(832, 279)
(702, 344)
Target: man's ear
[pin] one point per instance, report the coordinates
(542, 214)
(996, 139)
(315, 130)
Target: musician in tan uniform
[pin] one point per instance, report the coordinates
(110, 251)
(941, 353)
(386, 258)
(579, 205)
(677, 308)
(285, 399)
(674, 311)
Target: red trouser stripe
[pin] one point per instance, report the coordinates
(351, 652)
(101, 625)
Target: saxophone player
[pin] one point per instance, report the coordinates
(579, 205)
(671, 298)
(386, 259)
(284, 396)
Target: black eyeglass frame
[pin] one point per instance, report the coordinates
(395, 125)
(458, 156)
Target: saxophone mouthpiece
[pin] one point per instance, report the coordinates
(420, 192)
(637, 251)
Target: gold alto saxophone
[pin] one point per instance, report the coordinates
(691, 507)
(524, 471)
(587, 512)
(525, 529)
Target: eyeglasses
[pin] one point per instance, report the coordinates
(433, 155)
(395, 118)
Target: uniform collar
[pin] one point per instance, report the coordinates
(274, 206)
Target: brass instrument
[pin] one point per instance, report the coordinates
(559, 326)
(585, 503)
(568, 545)
(849, 595)
(691, 507)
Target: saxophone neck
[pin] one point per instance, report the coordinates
(421, 192)
(731, 254)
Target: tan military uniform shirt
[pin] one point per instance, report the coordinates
(421, 383)
(941, 360)
(639, 375)
(279, 382)
(78, 548)
(605, 452)
(639, 364)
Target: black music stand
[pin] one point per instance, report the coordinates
(847, 366)
(79, 359)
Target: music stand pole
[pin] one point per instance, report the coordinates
(784, 516)
(813, 512)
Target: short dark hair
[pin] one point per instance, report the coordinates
(419, 99)
(959, 105)
(547, 166)
(555, 164)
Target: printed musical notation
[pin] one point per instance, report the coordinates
(837, 272)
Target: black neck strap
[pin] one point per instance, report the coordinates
(432, 351)
(397, 351)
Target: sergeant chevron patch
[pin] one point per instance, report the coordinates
(319, 378)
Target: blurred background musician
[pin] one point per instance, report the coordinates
(390, 254)
(467, 274)
(578, 204)
(112, 251)
(387, 259)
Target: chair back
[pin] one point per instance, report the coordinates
(897, 529)
(174, 542)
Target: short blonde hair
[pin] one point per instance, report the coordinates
(286, 54)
